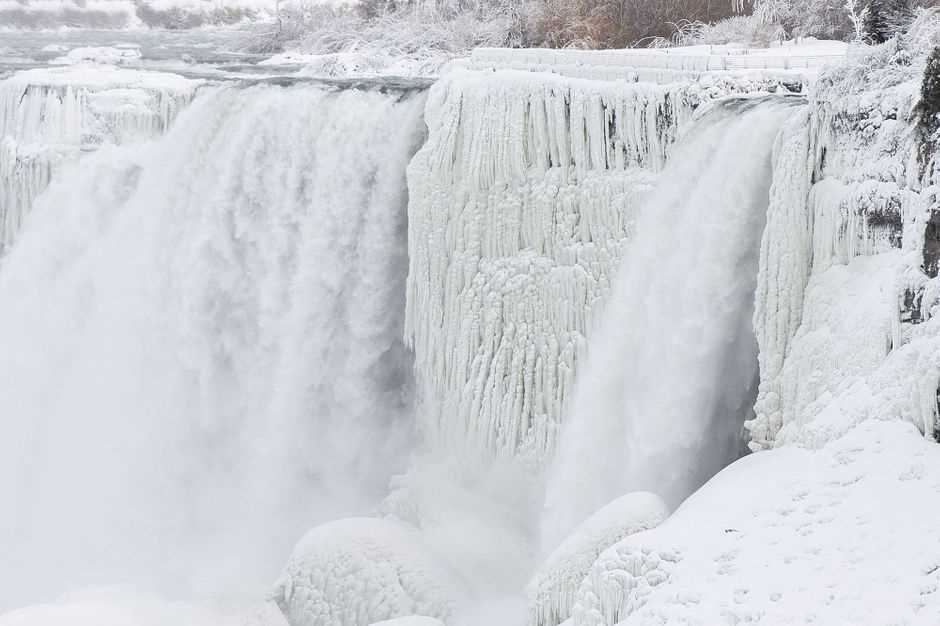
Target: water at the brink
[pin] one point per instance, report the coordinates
(201, 345)
(671, 371)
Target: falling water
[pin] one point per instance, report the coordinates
(202, 350)
(671, 371)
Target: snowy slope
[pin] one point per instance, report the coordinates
(847, 534)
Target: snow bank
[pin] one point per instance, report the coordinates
(552, 590)
(50, 116)
(847, 535)
(124, 607)
(355, 572)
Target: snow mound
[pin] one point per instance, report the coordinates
(552, 589)
(846, 535)
(358, 571)
(411, 620)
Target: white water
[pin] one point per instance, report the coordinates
(202, 352)
(671, 373)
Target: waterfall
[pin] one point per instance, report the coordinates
(202, 344)
(671, 372)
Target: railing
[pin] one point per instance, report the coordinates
(684, 60)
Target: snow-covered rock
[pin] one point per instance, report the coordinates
(552, 590)
(358, 571)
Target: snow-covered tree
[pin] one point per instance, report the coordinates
(857, 14)
(885, 18)
(929, 108)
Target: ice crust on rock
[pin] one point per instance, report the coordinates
(50, 116)
(359, 571)
(552, 590)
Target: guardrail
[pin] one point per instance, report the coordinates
(739, 59)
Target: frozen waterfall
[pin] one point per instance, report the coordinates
(671, 373)
(202, 344)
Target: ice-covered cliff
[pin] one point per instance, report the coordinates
(847, 279)
(49, 116)
(521, 201)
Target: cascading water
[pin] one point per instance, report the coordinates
(202, 351)
(671, 372)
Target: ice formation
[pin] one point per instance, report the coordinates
(552, 590)
(355, 572)
(843, 262)
(202, 344)
(49, 116)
